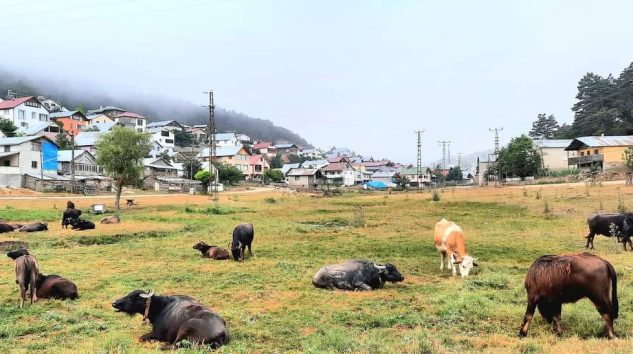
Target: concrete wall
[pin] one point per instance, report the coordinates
(11, 180)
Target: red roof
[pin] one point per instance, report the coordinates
(130, 114)
(262, 145)
(336, 166)
(14, 103)
(255, 160)
(337, 159)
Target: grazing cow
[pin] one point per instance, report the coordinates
(69, 215)
(449, 241)
(213, 252)
(80, 224)
(56, 287)
(114, 219)
(26, 273)
(242, 237)
(38, 226)
(175, 318)
(555, 280)
(6, 228)
(605, 224)
(356, 275)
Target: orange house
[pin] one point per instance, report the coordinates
(72, 122)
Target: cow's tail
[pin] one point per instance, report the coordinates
(614, 291)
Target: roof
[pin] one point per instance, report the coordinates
(383, 174)
(151, 162)
(103, 109)
(595, 141)
(255, 159)
(130, 115)
(5, 154)
(552, 143)
(262, 145)
(17, 140)
(336, 166)
(161, 123)
(314, 163)
(34, 127)
(64, 114)
(15, 102)
(375, 163)
(225, 136)
(103, 127)
(66, 155)
(337, 159)
(288, 166)
(86, 138)
(413, 171)
(285, 146)
(302, 172)
(221, 151)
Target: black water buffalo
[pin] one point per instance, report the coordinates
(213, 252)
(70, 205)
(553, 281)
(80, 224)
(6, 228)
(175, 318)
(55, 287)
(34, 227)
(243, 235)
(605, 224)
(356, 275)
(69, 215)
(26, 273)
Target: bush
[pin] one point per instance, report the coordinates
(436, 196)
(273, 175)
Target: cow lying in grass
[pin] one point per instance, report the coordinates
(80, 224)
(55, 287)
(114, 219)
(356, 275)
(213, 252)
(175, 318)
(69, 215)
(34, 227)
(26, 273)
(553, 281)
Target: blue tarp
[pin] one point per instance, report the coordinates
(49, 156)
(376, 185)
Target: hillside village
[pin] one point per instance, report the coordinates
(52, 142)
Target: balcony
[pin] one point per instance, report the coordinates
(9, 170)
(582, 160)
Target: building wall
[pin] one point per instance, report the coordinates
(612, 154)
(72, 126)
(168, 142)
(556, 158)
(30, 115)
(300, 181)
(102, 118)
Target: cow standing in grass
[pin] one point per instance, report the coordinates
(26, 274)
(449, 241)
(553, 281)
(243, 235)
(619, 225)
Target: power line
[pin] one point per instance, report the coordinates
(61, 9)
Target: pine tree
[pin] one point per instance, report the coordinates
(545, 127)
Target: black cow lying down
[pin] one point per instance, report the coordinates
(34, 227)
(80, 224)
(356, 275)
(175, 318)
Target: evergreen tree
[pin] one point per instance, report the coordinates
(545, 127)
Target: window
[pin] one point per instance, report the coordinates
(139, 122)
(23, 124)
(36, 147)
(169, 141)
(596, 152)
(164, 133)
(32, 104)
(21, 114)
(7, 163)
(582, 153)
(33, 164)
(43, 117)
(140, 130)
(53, 129)
(258, 168)
(296, 178)
(7, 148)
(33, 115)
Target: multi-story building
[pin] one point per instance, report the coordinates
(132, 120)
(23, 111)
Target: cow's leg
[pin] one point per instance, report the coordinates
(242, 252)
(590, 239)
(147, 337)
(249, 249)
(556, 327)
(453, 267)
(605, 308)
(22, 294)
(608, 322)
(442, 260)
(362, 286)
(529, 313)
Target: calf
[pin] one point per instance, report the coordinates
(356, 275)
(243, 235)
(38, 226)
(114, 219)
(213, 252)
(449, 241)
(80, 224)
(555, 280)
(26, 274)
(6, 228)
(175, 318)
(619, 225)
(69, 215)
(56, 287)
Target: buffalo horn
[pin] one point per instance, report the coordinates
(380, 267)
(147, 295)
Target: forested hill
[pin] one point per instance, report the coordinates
(155, 108)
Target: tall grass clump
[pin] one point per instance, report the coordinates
(270, 200)
(436, 196)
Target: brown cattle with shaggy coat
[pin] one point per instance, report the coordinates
(553, 281)
(449, 241)
(114, 219)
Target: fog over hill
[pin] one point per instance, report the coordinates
(154, 107)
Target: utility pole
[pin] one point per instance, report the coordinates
(445, 145)
(496, 153)
(42, 166)
(212, 142)
(72, 162)
(459, 160)
(419, 159)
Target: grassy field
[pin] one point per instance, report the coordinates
(269, 302)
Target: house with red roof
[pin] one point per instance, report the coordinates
(257, 165)
(340, 172)
(265, 148)
(132, 120)
(24, 111)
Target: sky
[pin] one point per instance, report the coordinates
(357, 74)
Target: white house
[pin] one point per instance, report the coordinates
(226, 139)
(131, 120)
(165, 138)
(51, 105)
(24, 111)
(553, 154)
(26, 155)
(164, 125)
(342, 172)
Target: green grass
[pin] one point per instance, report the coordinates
(269, 302)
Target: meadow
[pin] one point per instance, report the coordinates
(269, 302)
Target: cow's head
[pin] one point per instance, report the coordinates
(201, 246)
(45, 226)
(17, 253)
(465, 265)
(389, 272)
(236, 250)
(133, 302)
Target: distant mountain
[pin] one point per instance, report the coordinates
(154, 108)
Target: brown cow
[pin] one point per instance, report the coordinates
(26, 274)
(553, 281)
(449, 241)
(213, 252)
(114, 219)
(55, 287)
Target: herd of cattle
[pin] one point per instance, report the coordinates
(550, 280)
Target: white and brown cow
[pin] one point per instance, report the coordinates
(449, 241)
